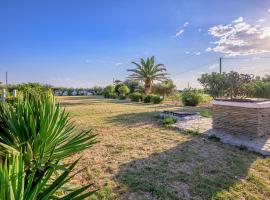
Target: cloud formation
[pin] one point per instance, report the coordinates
(240, 38)
(118, 64)
(179, 33)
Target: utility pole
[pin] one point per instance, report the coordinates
(220, 65)
(188, 85)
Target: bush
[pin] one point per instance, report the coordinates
(121, 97)
(123, 90)
(36, 135)
(191, 97)
(147, 99)
(169, 120)
(136, 96)
(156, 99)
(109, 92)
(11, 100)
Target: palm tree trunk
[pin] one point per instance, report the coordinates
(147, 86)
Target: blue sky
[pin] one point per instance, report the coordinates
(82, 43)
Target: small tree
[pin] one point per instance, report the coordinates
(164, 89)
(237, 84)
(215, 84)
(124, 90)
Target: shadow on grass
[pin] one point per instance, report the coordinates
(135, 119)
(197, 169)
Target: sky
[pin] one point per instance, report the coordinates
(82, 43)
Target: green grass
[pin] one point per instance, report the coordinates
(139, 159)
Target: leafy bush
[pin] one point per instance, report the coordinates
(122, 97)
(36, 135)
(156, 99)
(191, 97)
(169, 121)
(192, 131)
(136, 96)
(206, 98)
(11, 100)
(206, 113)
(147, 99)
(123, 90)
(109, 92)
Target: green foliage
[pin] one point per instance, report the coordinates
(206, 113)
(36, 135)
(109, 92)
(169, 121)
(258, 89)
(97, 90)
(206, 98)
(11, 100)
(121, 97)
(123, 90)
(192, 131)
(147, 98)
(156, 99)
(32, 87)
(134, 86)
(215, 84)
(191, 97)
(166, 88)
(136, 96)
(148, 72)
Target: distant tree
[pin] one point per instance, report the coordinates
(214, 84)
(37, 87)
(266, 78)
(117, 86)
(147, 71)
(123, 90)
(97, 90)
(134, 86)
(166, 88)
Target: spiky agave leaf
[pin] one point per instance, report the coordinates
(16, 186)
(40, 129)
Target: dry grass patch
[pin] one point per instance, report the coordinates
(139, 159)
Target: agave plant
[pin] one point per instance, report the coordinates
(37, 134)
(147, 71)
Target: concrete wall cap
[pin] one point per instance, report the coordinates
(264, 104)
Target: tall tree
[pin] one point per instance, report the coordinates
(147, 71)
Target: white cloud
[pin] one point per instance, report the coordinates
(261, 20)
(180, 32)
(238, 20)
(197, 53)
(240, 38)
(118, 64)
(269, 10)
(208, 49)
(187, 52)
(186, 24)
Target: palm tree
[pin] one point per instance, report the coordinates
(148, 72)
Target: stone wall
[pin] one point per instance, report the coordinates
(242, 120)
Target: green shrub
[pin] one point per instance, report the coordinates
(169, 121)
(11, 100)
(136, 96)
(192, 131)
(121, 97)
(156, 99)
(109, 92)
(206, 113)
(147, 99)
(191, 97)
(123, 90)
(36, 135)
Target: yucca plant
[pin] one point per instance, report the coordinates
(35, 135)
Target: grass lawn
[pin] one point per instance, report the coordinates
(137, 158)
